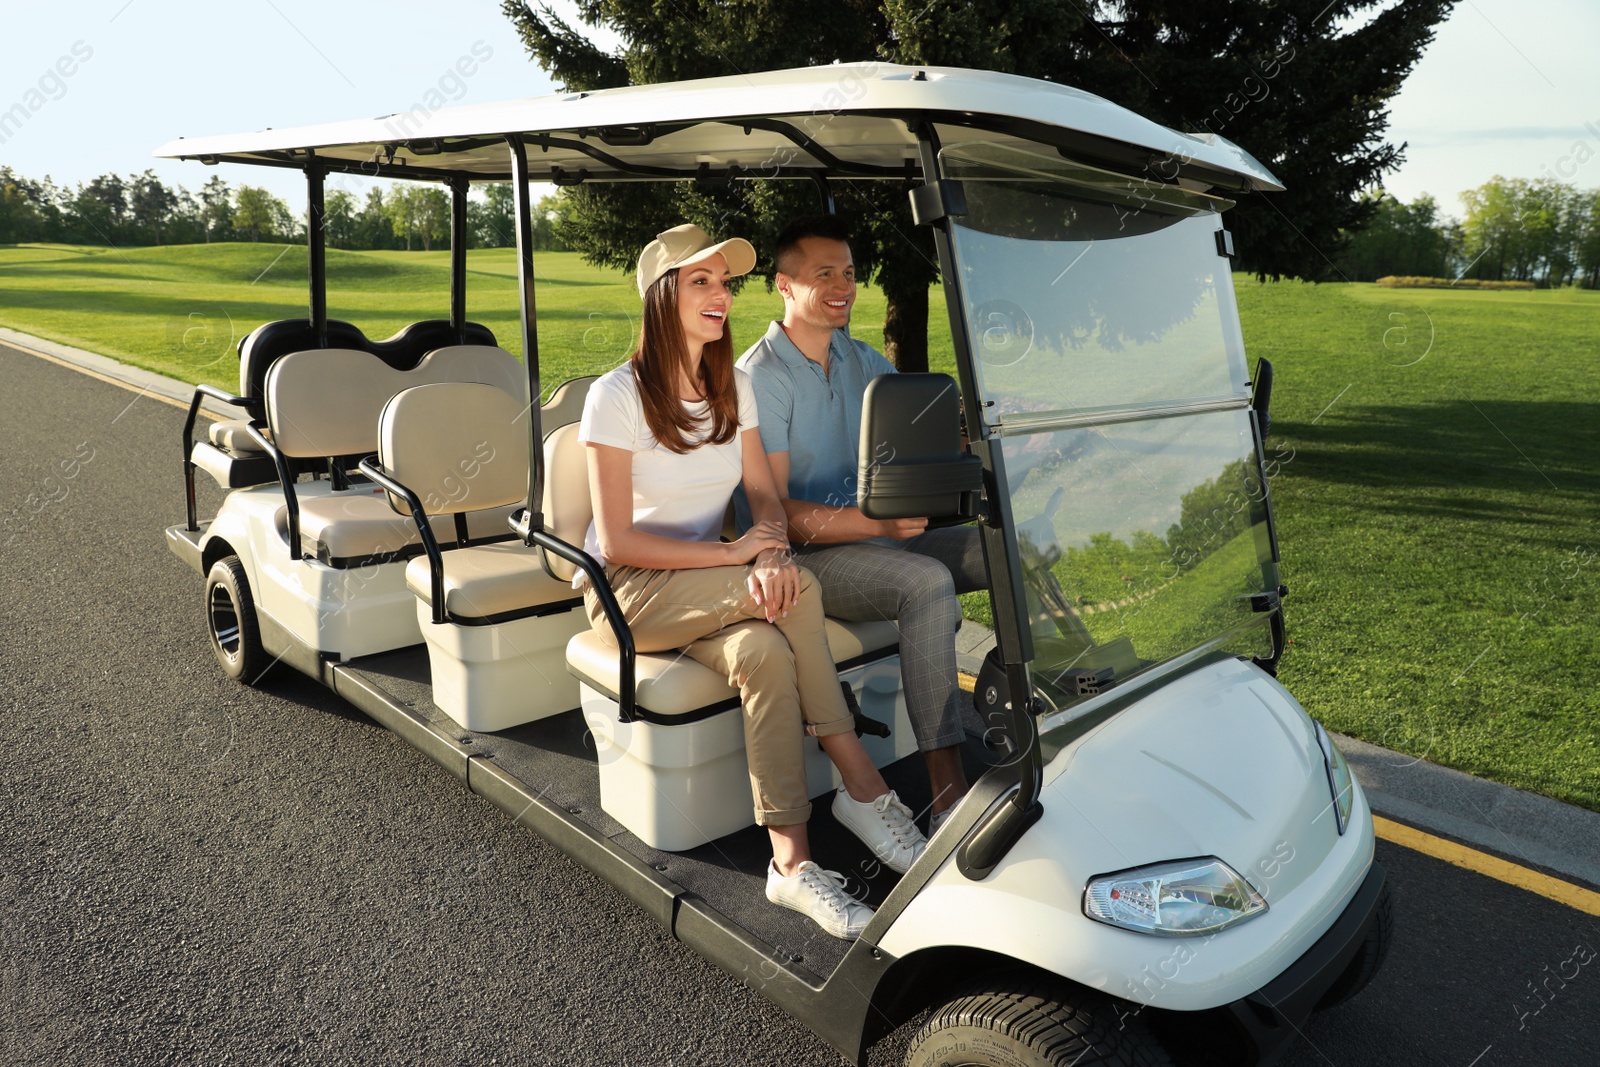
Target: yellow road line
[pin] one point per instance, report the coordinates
(1585, 900)
(966, 681)
(129, 386)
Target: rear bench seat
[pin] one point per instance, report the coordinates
(325, 403)
(231, 456)
(676, 776)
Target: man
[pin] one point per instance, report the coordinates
(810, 376)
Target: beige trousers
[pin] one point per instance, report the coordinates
(783, 670)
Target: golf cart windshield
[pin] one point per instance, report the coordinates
(1111, 375)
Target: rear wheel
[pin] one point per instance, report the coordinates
(231, 622)
(1032, 1024)
(1368, 961)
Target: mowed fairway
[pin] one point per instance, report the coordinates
(1437, 494)
(182, 310)
(1435, 460)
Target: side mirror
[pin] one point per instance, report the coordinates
(911, 462)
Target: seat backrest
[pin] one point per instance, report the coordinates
(566, 403)
(459, 446)
(567, 507)
(269, 342)
(473, 363)
(326, 401)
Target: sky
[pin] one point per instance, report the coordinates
(1507, 87)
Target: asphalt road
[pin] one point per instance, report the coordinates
(194, 872)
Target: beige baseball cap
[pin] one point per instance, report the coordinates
(687, 244)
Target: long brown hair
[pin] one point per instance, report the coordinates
(656, 362)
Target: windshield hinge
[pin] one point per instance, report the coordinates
(997, 830)
(1225, 244)
(1267, 600)
(937, 200)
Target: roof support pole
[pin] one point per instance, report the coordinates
(317, 251)
(530, 327)
(985, 847)
(824, 192)
(458, 258)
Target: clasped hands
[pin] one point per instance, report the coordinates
(774, 578)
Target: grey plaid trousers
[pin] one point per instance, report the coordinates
(915, 583)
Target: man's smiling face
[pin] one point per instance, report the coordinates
(820, 287)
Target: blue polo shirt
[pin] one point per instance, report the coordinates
(815, 417)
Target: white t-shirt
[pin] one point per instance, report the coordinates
(683, 496)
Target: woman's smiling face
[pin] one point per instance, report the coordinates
(704, 300)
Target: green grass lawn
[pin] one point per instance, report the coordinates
(1437, 494)
(1436, 460)
(181, 310)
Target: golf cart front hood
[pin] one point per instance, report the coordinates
(1220, 762)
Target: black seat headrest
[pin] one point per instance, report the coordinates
(267, 343)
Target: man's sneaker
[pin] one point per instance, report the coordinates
(938, 819)
(820, 896)
(883, 825)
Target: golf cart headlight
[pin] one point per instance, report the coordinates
(1173, 899)
(1340, 782)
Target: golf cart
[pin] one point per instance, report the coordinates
(1161, 854)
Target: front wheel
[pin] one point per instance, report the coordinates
(231, 622)
(1031, 1024)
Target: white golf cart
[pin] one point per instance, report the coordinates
(1161, 855)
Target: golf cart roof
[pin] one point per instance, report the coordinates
(852, 119)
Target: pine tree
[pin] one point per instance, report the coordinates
(19, 213)
(702, 39)
(151, 204)
(216, 208)
(339, 218)
(1286, 82)
(372, 223)
(1281, 78)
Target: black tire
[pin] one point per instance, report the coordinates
(1368, 960)
(1031, 1024)
(231, 622)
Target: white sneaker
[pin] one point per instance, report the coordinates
(883, 825)
(819, 895)
(937, 820)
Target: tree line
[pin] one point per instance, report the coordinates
(1515, 229)
(143, 210)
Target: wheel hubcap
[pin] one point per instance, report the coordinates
(224, 621)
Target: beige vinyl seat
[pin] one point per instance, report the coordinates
(325, 403)
(495, 623)
(676, 776)
(231, 456)
(234, 435)
(566, 403)
(229, 453)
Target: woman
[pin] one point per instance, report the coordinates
(669, 435)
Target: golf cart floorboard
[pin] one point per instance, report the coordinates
(554, 759)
